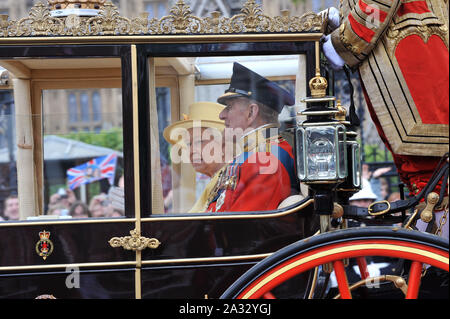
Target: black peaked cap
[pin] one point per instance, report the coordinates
(245, 82)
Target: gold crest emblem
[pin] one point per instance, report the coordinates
(44, 247)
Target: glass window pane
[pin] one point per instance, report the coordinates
(9, 209)
(321, 150)
(300, 153)
(84, 103)
(164, 115)
(83, 164)
(342, 152)
(316, 5)
(162, 9)
(197, 158)
(356, 164)
(73, 108)
(96, 107)
(150, 10)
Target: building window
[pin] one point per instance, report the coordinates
(73, 108)
(156, 9)
(316, 5)
(149, 9)
(84, 110)
(332, 3)
(162, 9)
(84, 103)
(96, 107)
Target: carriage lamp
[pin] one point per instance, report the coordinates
(328, 155)
(321, 139)
(322, 153)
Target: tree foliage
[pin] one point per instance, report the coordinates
(112, 138)
(376, 153)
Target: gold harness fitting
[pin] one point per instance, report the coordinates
(427, 213)
(384, 211)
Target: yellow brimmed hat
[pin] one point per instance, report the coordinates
(201, 114)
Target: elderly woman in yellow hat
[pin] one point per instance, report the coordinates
(198, 139)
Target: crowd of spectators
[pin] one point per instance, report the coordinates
(10, 208)
(375, 187)
(65, 203)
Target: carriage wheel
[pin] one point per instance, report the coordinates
(337, 246)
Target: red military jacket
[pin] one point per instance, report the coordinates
(258, 179)
(400, 48)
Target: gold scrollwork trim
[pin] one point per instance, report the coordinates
(179, 21)
(127, 39)
(394, 36)
(135, 242)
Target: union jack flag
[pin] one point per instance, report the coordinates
(94, 170)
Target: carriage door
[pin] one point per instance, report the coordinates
(68, 222)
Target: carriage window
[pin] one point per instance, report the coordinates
(61, 140)
(199, 154)
(9, 202)
(83, 165)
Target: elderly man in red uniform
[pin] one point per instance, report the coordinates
(262, 174)
(400, 48)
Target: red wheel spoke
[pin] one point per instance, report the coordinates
(282, 269)
(268, 295)
(341, 277)
(362, 264)
(415, 275)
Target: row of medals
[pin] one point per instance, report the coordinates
(228, 176)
